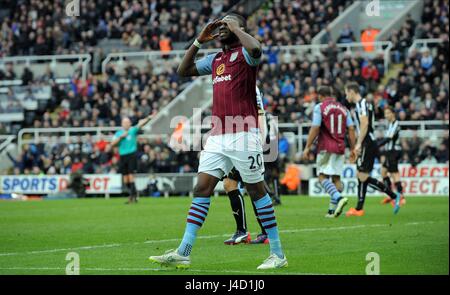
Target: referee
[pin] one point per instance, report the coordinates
(126, 139)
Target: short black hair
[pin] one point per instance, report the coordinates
(242, 21)
(324, 91)
(352, 86)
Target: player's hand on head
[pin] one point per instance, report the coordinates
(231, 23)
(207, 34)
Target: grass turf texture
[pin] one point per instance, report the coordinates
(113, 238)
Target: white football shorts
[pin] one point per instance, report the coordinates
(330, 163)
(241, 150)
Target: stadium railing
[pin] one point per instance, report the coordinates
(296, 133)
(423, 43)
(5, 144)
(159, 58)
(5, 140)
(37, 135)
(62, 65)
(409, 129)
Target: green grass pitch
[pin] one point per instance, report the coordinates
(113, 238)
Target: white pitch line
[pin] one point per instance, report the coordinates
(202, 237)
(186, 271)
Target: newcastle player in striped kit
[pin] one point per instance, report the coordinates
(392, 153)
(234, 139)
(365, 150)
(231, 184)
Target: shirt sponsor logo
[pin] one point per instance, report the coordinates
(220, 69)
(219, 79)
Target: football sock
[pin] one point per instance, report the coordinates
(263, 231)
(362, 190)
(399, 186)
(330, 188)
(381, 187)
(266, 215)
(127, 189)
(133, 192)
(195, 219)
(238, 207)
(387, 182)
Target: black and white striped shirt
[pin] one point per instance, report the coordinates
(364, 108)
(392, 134)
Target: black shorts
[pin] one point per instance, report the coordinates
(366, 159)
(234, 175)
(128, 164)
(391, 161)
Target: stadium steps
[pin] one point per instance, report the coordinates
(7, 146)
(197, 95)
(390, 16)
(392, 73)
(116, 45)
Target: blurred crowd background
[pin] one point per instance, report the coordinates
(419, 91)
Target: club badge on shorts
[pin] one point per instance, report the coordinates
(233, 56)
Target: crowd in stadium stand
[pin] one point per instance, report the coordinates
(42, 27)
(289, 83)
(416, 150)
(290, 87)
(293, 22)
(102, 101)
(91, 154)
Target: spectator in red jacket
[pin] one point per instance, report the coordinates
(371, 75)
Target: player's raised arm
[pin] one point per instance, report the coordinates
(144, 121)
(188, 67)
(117, 139)
(251, 45)
(390, 135)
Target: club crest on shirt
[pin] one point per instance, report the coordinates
(220, 69)
(233, 56)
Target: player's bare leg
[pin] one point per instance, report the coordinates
(180, 257)
(338, 183)
(266, 215)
